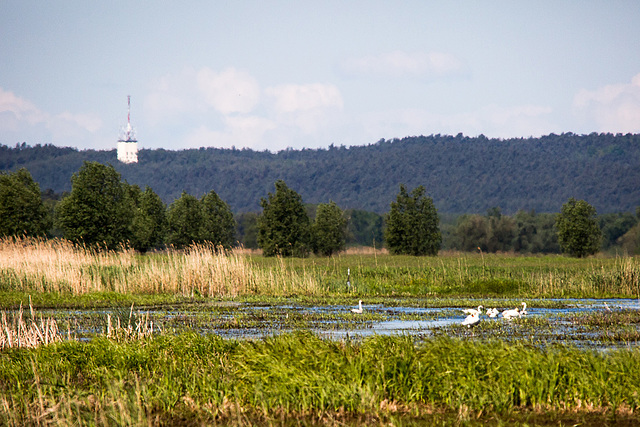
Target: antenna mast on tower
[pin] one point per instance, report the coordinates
(128, 134)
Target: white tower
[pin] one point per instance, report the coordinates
(128, 144)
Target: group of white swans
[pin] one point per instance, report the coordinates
(473, 317)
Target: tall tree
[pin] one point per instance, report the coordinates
(283, 226)
(364, 228)
(22, 211)
(472, 232)
(614, 226)
(329, 229)
(502, 231)
(218, 225)
(149, 223)
(247, 229)
(630, 241)
(578, 230)
(413, 224)
(184, 221)
(98, 211)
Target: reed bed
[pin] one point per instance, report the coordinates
(30, 265)
(58, 266)
(29, 333)
(192, 379)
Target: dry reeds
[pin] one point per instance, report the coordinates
(138, 327)
(58, 266)
(30, 333)
(365, 250)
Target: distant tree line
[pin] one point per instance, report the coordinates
(462, 174)
(104, 211)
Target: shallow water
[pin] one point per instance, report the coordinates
(569, 323)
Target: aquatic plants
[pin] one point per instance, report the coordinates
(15, 331)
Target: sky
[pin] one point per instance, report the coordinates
(272, 75)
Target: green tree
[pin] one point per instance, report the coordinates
(547, 235)
(524, 240)
(247, 229)
(578, 230)
(502, 231)
(149, 223)
(364, 228)
(630, 241)
(283, 226)
(472, 232)
(218, 225)
(184, 221)
(412, 224)
(22, 211)
(329, 229)
(614, 226)
(98, 211)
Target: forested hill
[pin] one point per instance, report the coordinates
(462, 174)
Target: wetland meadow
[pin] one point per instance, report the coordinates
(200, 337)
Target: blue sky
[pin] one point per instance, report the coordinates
(307, 74)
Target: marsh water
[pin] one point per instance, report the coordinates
(589, 323)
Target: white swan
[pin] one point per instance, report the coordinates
(471, 320)
(524, 312)
(492, 312)
(359, 309)
(511, 314)
(473, 311)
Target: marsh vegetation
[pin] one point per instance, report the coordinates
(205, 337)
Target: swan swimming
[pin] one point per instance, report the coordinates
(510, 314)
(492, 312)
(471, 320)
(524, 312)
(473, 311)
(359, 309)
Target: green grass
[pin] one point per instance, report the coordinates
(470, 275)
(13, 299)
(192, 379)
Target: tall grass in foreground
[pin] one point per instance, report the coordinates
(196, 379)
(59, 266)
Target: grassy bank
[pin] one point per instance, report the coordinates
(192, 379)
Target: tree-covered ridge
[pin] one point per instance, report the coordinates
(461, 174)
